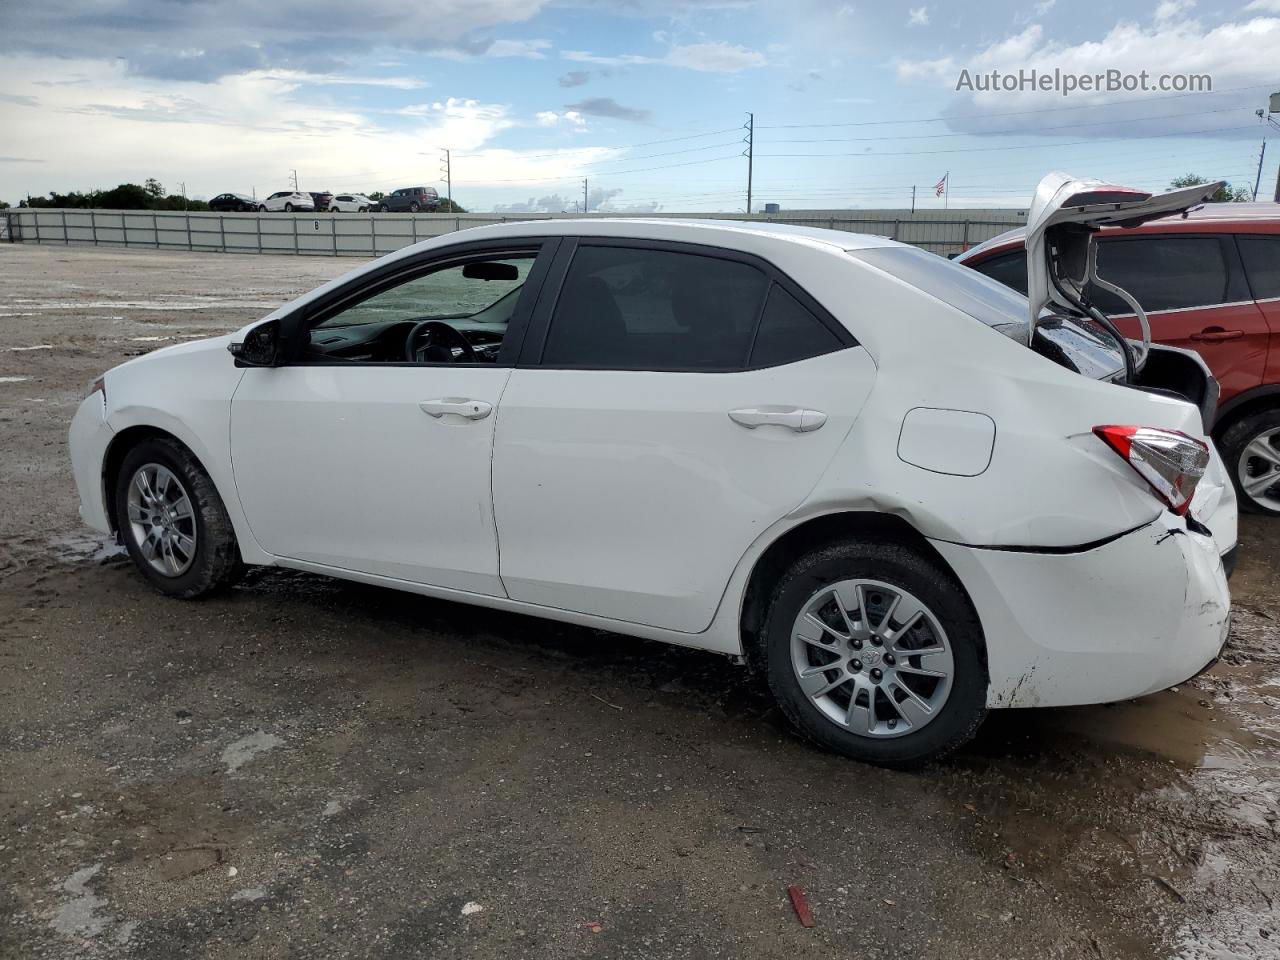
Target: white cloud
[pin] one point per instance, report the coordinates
(711, 57)
(549, 118)
(714, 57)
(528, 49)
(1234, 54)
(1263, 6)
(918, 17)
(1167, 10)
(245, 132)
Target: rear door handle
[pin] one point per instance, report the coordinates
(1216, 334)
(794, 418)
(457, 406)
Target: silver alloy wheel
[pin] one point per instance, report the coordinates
(162, 519)
(1259, 469)
(872, 658)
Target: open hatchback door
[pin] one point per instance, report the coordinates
(1064, 218)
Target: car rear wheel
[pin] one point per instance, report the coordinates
(288, 208)
(414, 208)
(262, 208)
(172, 521)
(874, 651)
(384, 209)
(1251, 449)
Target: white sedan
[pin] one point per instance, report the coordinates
(892, 486)
(287, 201)
(350, 203)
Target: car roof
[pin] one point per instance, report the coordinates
(687, 229)
(1208, 216)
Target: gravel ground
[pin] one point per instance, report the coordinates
(310, 768)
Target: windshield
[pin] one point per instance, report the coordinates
(1077, 343)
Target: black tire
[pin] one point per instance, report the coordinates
(414, 208)
(1232, 444)
(216, 564)
(384, 209)
(896, 565)
(288, 208)
(262, 208)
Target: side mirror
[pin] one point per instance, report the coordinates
(260, 348)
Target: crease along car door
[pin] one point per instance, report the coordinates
(381, 467)
(1194, 291)
(637, 461)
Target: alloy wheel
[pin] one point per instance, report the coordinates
(1259, 468)
(162, 519)
(872, 658)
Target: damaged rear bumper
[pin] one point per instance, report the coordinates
(1136, 614)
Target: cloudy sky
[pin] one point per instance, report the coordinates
(855, 102)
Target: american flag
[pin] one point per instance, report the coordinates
(940, 187)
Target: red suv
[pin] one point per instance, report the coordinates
(1209, 281)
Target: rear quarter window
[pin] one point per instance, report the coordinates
(1261, 256)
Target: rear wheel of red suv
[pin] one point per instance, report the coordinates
(1251, 449)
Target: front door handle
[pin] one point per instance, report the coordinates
(1217, 334)
(457, 406)
(793, 418)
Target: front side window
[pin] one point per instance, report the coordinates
(631, 308)
(1261, 257)
(1163, 273)
(455, 314)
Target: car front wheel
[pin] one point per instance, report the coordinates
(262, 208)
(1251, 449)
(173, 522)
(873, 650)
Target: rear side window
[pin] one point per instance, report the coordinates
(1164, 273)
(631, 308)
(789, 332)
(1261, 257)
(1008, 268)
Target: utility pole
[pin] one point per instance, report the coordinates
(585, 208)
(749, 140)
(913, 198)
(295, 181)
(1257, 181)
(446, 167)
(183, 185)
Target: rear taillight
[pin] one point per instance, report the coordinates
(1171, 462)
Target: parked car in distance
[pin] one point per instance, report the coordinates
(1210, 282)
(350, 203)
(287, 201)
(410, 199)
(233, 203)
(866, 470)
(321, 200)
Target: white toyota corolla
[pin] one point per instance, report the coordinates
(896, 488)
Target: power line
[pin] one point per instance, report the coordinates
(1015, 113)
(1001, 133)
(1024, 146)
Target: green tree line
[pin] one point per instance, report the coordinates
(151, 196)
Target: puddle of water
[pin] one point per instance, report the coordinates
(81, 547)
(245, 749)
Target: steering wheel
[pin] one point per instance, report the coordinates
(438, 342)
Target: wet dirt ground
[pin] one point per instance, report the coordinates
(310, 768)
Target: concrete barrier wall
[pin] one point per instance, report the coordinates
(374, 234)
